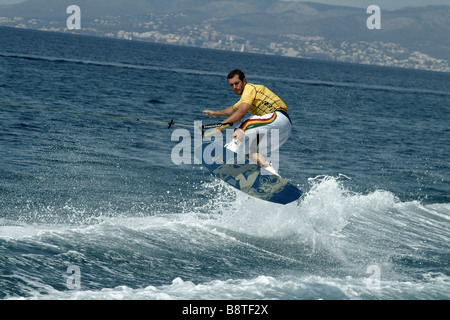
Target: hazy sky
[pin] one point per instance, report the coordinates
(383, 4)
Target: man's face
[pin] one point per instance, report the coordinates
(237, 85)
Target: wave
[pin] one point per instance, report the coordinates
(222, 75)
(433, 287)
(324, 246)
(326, 210)
(109, 64)
(324, 83)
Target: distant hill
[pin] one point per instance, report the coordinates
(424, 29)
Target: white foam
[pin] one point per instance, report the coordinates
(16, 230)
(327, 216)
(323, 211)
(267, 287)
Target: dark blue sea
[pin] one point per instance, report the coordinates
(94, 207)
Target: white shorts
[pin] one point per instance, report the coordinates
(266, 133)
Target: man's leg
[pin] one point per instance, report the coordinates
(257, 157)
(254, 155)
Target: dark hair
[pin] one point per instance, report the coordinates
(233, 73)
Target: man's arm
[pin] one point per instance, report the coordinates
(238, 114)
(234, 115)
(221, 113)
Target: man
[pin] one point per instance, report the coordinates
(268, 119)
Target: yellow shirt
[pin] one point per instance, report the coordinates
(261, 99)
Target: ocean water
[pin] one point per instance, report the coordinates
(95, 208)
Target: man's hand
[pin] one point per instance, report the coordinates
(210, 113)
